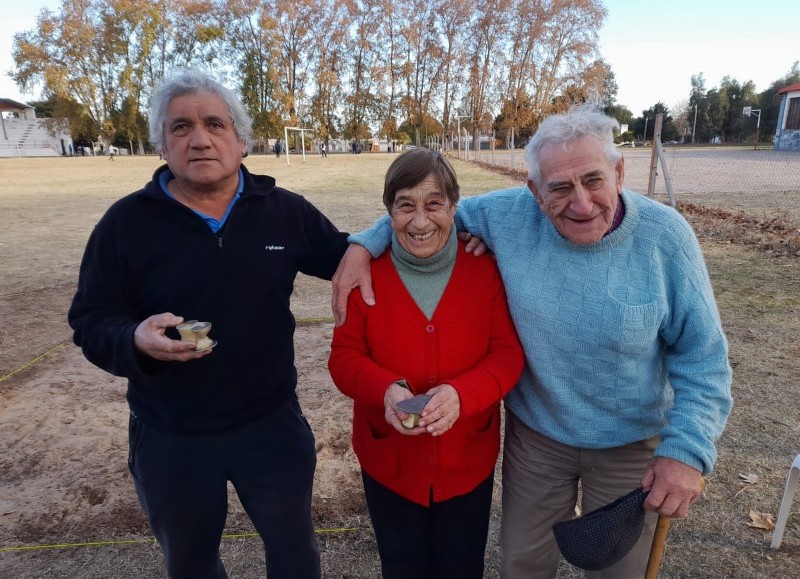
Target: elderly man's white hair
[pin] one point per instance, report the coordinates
(580, 121)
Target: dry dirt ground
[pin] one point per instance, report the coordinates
(67, 505)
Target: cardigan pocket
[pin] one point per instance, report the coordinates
(484, 444)
(473, 445)
(377, 453)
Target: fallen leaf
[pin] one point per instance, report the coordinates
(761, 521)
(749, 478)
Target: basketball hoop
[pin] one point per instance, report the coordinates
(746, 112)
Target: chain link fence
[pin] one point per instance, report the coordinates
(692, 170)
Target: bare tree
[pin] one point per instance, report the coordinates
(364, 70)
(422, 65)
(78, 53)
(568, 42)
(195, 32)
(142, 23)
(365, 65)
(250, 40)
(519, 66)
(331, 61)
(296, 23)
(451, 20)
(489, 28)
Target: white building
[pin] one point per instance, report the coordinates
(787, 133)
(23, 135)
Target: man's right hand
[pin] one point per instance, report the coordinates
(150, 340)
(353, 272)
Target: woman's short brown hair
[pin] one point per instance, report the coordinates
(412, 167)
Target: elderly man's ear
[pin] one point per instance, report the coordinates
(619, 170)
(535, 191)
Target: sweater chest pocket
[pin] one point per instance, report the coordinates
(633, 329)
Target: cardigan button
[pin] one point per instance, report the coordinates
(430, 329)
(431, 379)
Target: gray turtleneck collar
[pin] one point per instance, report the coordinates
(426, 278)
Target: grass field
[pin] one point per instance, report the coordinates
(63, 449)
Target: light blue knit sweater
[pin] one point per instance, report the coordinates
(622, 338)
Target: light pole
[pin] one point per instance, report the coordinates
(694, 125)
(644, 139)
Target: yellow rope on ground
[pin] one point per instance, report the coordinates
(36, 359)
(53, 349)
(148, 540)
(134, 541)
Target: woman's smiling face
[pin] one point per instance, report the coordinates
(422, 218)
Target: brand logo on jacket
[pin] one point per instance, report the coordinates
(274, 248)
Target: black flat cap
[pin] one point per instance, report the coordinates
(601, 538)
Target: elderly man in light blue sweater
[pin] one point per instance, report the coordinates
(627, 380)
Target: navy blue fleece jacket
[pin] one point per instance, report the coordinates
(150, 254)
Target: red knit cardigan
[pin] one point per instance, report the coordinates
(470, 344)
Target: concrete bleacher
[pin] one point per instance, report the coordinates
(26, 139)
(23, 135)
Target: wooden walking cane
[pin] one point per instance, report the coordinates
(659, 542)
(657, 547)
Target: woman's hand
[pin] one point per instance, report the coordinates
(442, 411)
(394, 416)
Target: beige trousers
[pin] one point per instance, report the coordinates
(540, 488)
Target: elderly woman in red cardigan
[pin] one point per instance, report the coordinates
(440, 328)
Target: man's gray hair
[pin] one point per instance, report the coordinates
(580, 121)
(192, 82)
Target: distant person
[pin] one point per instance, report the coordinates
(111, 152)
(441, 328)
(207, 241)
(278, 148)
(627, 381)
(322, 150)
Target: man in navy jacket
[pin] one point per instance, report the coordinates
(206, 240)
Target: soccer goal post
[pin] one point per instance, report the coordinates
(302, 140)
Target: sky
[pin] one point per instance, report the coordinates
(653, 46)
